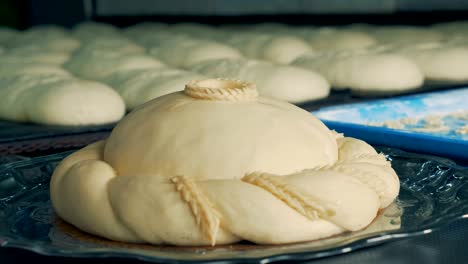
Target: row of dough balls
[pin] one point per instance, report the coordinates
(365, 58)
(110, 55)
(149, 60)
(34, 87)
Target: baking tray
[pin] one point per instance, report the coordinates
(373, 121)
(27, 138)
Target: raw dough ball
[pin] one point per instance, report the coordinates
(405, 35)
(48, 37)
(438, 62)
(185, 52)
(365, 72)
(281, 82)
(89, 30)
(139, 86)
(199, 168)
(117, 45)
(144, 28)
(15, 68)
(35, 54)
(98, 65)
(334, 39)
(58, 100)
(274, 48)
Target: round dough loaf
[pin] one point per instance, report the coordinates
(183, 52)
(439, 62)
(48, 37)
(17, 68)
(100, 64)
(58, 100)
(199, 168)
(116, 45)
(334, 39)
(365, 72)
(405, 35)
(281, 82)
(281, 49)
(90, 30)
(139, 86)
(35, 54)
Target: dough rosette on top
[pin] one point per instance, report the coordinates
(217, 164)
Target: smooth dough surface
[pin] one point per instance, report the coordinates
(139, 86)
(184, 53)
(59, 100)
(282, 82)
(198, 167)
(379, 73)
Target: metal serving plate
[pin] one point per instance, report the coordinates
(434, 193)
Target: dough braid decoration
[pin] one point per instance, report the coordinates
(309, 207)
(221, 90)
(259, 207)
(205, 214)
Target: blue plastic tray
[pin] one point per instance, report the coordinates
(353, 120)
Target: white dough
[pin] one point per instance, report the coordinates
(365, 72)
(99, 64)
(281, 82)
(139, 86)
(183, 53)
(18, 68)
(89, 30)
(273, 48)
(438, 62)
(35, 54)
(334, 39)
(58, 100)
(406, 35)
(199, 168)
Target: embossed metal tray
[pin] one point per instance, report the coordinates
(22, 138)
(434, 193)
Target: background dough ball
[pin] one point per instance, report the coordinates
(441, 63)
(405, 34)
(284, 49)
(74, 102)
(281, 82)
(183, 53)
(368, 73)
(32, 69)
(139, 86)
(90, 30)
(329, 39)
(288, 83)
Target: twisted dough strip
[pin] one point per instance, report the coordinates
(309, 207)
(261, 207)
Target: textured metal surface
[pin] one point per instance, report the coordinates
(434, 193)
